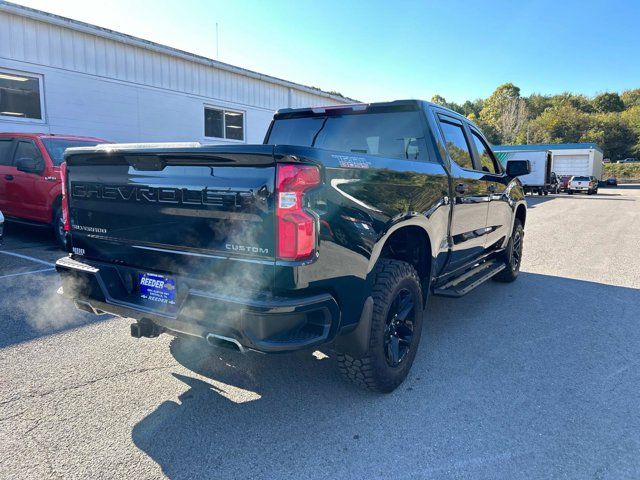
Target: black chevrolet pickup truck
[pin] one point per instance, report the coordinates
(334, 231)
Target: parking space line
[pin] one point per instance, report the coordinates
(27, 257)
(50, 269)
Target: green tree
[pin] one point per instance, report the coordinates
(488, 130)
(609, 119)
(505, 112)
(631, 98)
(440, 100)
(608, 102)
(559, 124)
(579, 102)
(631, 117)
(612, 133)
(474, 107)
(537, 104)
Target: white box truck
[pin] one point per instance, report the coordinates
(578, 162)
(541, 180)
(567, 159)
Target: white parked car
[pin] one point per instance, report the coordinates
(582, 184)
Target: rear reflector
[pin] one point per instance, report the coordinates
(296, 227)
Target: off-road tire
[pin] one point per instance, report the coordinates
(510, 273)
(372, 371)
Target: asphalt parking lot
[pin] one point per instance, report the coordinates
(536, 379)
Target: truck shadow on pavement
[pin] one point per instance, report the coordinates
(513, 378)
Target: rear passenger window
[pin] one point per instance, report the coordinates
(5, 151)
(457, 145)
(27, 150)
(488, 163)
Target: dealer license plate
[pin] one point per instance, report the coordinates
(157, 288)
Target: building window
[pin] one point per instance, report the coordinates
(223, 124)
(20, 96)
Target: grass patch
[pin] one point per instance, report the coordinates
(622, 171)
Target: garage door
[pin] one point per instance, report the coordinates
(571, 164)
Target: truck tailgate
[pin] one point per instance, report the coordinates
(580, 184)
(203, 213)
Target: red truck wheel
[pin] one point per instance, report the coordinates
(58, 229)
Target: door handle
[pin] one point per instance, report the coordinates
(8, 177)
(461, 188)
(491, 188)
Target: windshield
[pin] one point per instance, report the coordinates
(580, 179)
(390, 134)
(57, 146)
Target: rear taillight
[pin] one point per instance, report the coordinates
(65, 201)
(296, 227)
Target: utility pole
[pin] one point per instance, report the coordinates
(217, 46)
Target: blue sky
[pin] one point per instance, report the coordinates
(397, 49)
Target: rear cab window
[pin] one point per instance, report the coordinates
(386, 133)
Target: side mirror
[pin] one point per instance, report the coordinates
(30, 165)
(517, 168)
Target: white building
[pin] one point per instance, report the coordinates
(63, 76)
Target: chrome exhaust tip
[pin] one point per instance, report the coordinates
(87, 307)
(216, 340)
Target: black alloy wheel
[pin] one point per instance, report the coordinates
(398, 333)
(516, 250)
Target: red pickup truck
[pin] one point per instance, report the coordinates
(30, 186)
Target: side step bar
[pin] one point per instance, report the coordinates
(470, 279)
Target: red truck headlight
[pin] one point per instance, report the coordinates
(296, 227)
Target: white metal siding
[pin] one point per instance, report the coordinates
(32, 41)
(117, 89)
(123, 112)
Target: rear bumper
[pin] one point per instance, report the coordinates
(256, 322)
